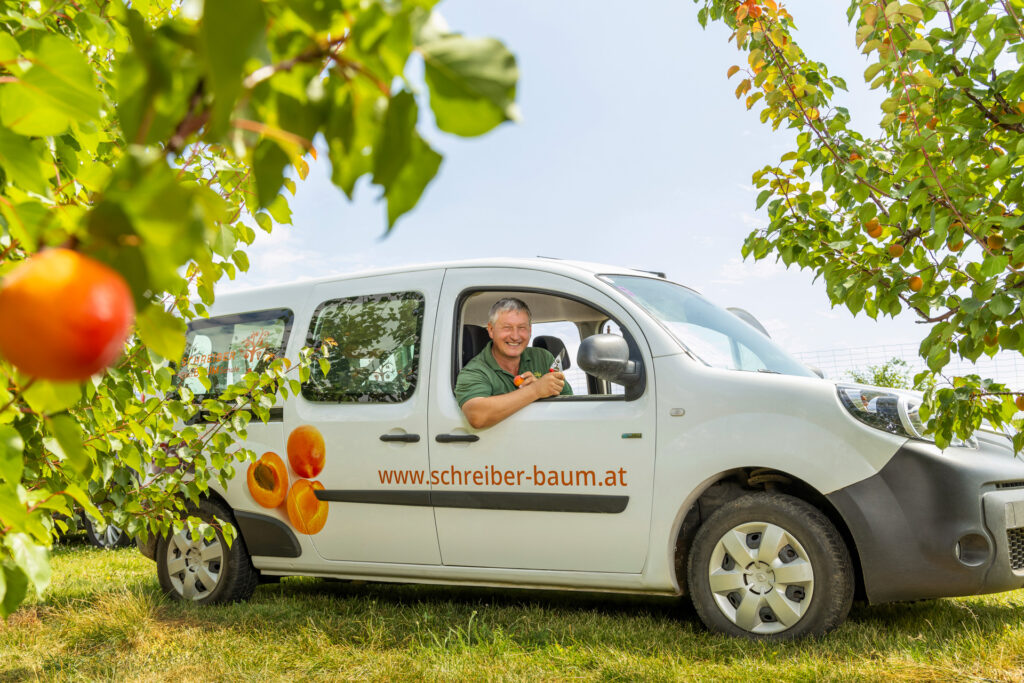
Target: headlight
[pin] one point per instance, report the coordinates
(890, 411)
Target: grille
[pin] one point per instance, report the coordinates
(1015, 539)
(1010, 485)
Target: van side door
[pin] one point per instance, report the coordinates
(371, 409)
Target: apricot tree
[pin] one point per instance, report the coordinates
(923, 217)
(144, 143)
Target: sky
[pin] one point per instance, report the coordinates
(632, 151)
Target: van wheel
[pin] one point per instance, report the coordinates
(204, 571)
(769, 566)
(109, 538)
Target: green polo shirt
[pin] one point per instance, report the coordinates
(483, 377)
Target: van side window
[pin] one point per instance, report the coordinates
(373, 345)
(229, 346)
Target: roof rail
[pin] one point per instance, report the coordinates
(657, 273)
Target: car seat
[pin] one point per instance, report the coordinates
(556, 346)
(474, 339)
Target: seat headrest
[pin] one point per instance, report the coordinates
(556, 346)
(474, 339)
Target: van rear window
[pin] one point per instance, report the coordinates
(229, 346)
(373, 347)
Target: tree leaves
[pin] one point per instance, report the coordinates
(57, 89)
(161, 332)
(472, 83)
(230, 32)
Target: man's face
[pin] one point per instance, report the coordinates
(510, 333)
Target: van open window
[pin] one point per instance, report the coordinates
(559, 323)
(373, 345)
(230, 346)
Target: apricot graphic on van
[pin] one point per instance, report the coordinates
(268, 480)
(306, 451)
(307, 514)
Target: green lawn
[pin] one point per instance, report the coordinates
(105, 618)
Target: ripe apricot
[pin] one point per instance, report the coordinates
(995, 241)
(268, 480)
(307, 513)
(854, 157)
(873, 227)
(991, 339)
(65, 316)
(896, 250)
(916, 283)
(306, 451)
(1020, 402)
(956, 246)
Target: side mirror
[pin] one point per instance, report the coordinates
(606, 356)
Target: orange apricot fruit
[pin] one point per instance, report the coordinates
(896, 250)
(916, 283)
(995, 241)
(307, 513)
(873, 227)
(306, 451)
(65, 316)
(1020, 402)
(268, 480)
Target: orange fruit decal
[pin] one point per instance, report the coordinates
(307, 514)
(306, 451)
(65, 316)
(268, 480)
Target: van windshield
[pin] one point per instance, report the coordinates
(712, 334)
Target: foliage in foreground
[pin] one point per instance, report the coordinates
(923, 218)
(105, 618)
(153, 137)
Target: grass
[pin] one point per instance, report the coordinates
(105, 618)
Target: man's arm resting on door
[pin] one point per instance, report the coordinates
(485, 411)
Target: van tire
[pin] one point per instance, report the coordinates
(800, 584)
(206, 572)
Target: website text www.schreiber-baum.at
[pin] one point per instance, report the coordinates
(496, 476)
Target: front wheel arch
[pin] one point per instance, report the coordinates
(732, 484)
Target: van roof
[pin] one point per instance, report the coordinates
(547, 264)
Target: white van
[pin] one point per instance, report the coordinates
(695, 456)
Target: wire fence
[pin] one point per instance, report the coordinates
(1006, 366)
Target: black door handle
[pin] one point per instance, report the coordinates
(457, 438)
(403, 438)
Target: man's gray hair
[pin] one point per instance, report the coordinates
(508, 304)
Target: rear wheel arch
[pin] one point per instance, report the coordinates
(729, 485)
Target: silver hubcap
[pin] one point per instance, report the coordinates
(111, 536)
(194, 567)
(761, 577)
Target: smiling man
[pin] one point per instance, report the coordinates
(486, 388)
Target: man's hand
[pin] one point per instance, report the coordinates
(549, 384)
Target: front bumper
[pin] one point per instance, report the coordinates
(939, 524)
